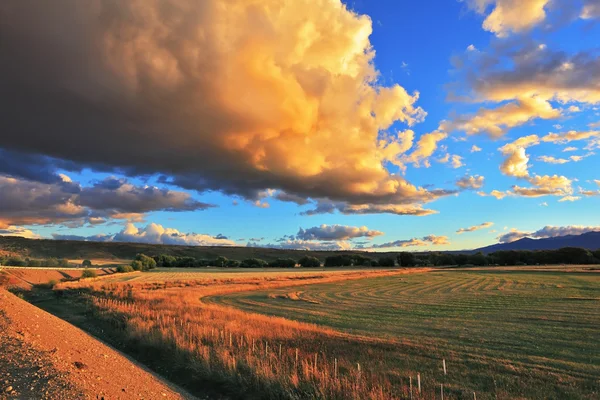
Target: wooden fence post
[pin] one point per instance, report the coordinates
(419, 381)
(444, 363)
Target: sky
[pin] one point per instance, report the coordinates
(302, 124)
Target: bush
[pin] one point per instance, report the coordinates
(253, 263)
(338, 261)
(137, 265)
(147, 262)
(386, 262)
(124, 268)
(86, 263)
(88, 273)
(15, 262)
(50, 262)
(34, 263)
(65, 263)
(283, 263)
(220, 261)
(309, 262)
(232, 264)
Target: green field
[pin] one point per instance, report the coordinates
(535, 334)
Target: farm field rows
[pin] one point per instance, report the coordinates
(517, 332)
(192, 274)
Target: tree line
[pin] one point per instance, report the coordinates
(15, 261)
(567, 255)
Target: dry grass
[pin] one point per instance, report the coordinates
(245, 354)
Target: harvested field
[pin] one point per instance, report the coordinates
(352, 334)
(523, 333)
(25, 278)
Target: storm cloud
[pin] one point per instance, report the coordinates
(152, 87)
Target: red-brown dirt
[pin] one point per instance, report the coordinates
(44, 357)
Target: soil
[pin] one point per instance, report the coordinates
(44, 357)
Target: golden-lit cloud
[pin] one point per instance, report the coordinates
(516, 161)
(426, 146)
(503, 17)
(231, 96)
(18, 231)
(570, 136)
(470, 182)
(497, 121)
(475, 149)
(415, 242)
(475, 227)
(552, 160)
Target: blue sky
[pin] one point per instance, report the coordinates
(198, 138)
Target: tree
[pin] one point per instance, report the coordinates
(309, 262)
(165, 260)
(283, 263)
(406, 259)
(50, 262)
(15, 262)
(220, 261)
(253, 263)
(386, 262)
(338, 261)
(232, 264)
(137, 265)
(147, 262)
(124, 268)
(88, 273)
(86, 263)
(63, 262)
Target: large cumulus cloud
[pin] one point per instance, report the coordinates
(154, 234)
(232, 96)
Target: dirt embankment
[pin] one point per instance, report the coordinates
(44, 357)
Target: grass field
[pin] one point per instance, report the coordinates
(351, 334)
(532, 334)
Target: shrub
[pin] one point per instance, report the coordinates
(406, 259)
(147, 262)
(253, 263)
(309, 262)
(63, 262)
(386, 262)
(232, 264)
(34, 263)
(88, 273)
(50, 262)
(283, 263)
(137, 265)
(124, 268)
(86, 263)
(15, 262)
(338, 261)
(220, 261)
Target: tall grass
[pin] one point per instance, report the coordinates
(241, 354)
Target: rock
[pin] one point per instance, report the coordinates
(8, 389)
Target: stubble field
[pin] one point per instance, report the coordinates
(525, 333)
(352, 334)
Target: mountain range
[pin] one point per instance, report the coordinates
(589, 240)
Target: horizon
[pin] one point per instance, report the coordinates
(337, 126)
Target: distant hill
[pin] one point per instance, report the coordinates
(70, 249)
(589, 240)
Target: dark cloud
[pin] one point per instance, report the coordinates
(28, 202)
(123, 89)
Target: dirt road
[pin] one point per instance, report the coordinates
(44, 357)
